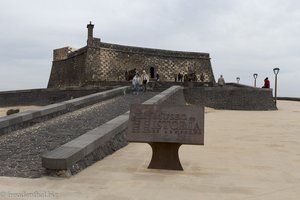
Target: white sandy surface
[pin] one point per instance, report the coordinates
(3, 110)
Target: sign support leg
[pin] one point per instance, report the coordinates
(165, 156)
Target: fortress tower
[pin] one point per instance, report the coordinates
(99, 61)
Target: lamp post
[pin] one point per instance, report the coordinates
(276, 71)
(255, 77)
(238, 79)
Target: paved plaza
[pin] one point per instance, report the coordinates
(248, 155)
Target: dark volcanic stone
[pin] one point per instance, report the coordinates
(21, 150)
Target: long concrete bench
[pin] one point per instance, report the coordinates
(65, 156)
(11, 122)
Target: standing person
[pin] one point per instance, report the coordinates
(180, 77)
(157, 77)
(221, 81)
(140, 83)
(266, 83)
(185, 77)
(136, 83)
(145, 79)
(202, 77)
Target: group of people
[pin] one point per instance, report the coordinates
(139, 82)
(181, 77)
(221, 82)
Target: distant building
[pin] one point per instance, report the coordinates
(99, 61)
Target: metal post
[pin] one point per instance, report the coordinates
(275, 89)
(276, 71)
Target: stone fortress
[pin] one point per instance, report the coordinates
(99, 61)
(100, 64)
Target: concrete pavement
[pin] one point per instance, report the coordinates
(247, 155)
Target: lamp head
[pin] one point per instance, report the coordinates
(276, 70)
(255, 75)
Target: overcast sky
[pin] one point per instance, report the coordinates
(243, 37)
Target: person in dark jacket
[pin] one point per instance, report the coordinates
(267, 83)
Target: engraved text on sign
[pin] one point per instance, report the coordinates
(166, 123)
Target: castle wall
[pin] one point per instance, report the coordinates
(93, 64)
(68, 72)
(116, 59)
(108, 62)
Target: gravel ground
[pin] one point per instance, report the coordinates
(20, 151)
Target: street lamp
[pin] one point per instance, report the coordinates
(276, 71)
(238, 79)
(255, 77)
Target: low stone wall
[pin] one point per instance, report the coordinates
(231, 97)
(152, 85)
(27, 118)
(107, 83)
(43, 97)
(100, 142)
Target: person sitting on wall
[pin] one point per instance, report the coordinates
(221, 81)
(266, 83)
(136, 83)
(145, 79)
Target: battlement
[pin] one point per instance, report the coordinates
(152, 51)
(62, 53)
